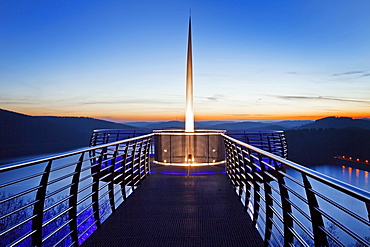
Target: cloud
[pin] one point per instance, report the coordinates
(113, 102)
(215, 98)
(321, 98)
(355, 72)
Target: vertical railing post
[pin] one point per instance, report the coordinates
(38, 209)
(270, 150)
(208, 158)
(146, 160)
(256, 189)
(268, 200)
(286, 207)
(233, 166)
(240, 171)
(227, 151)
(367, 204)
(140, 159)
(117, 135)
(95, 187)
(247, 170)
(104, 137)
(133, 166)
(316, 217)
(284, 146)
(170, 149)
(111, 182)
(72, 214)
(124, 168)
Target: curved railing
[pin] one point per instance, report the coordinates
(272, 141)
(296, 206)
(102, 136)
(62, 199)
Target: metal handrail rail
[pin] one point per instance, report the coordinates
(21, 164)
(271, 197)
(63, 198)
(340, 185)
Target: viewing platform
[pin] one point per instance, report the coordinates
(113, 194)
(172, 208)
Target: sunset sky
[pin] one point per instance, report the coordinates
(126, 60)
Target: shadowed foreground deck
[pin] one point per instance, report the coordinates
(178, 210)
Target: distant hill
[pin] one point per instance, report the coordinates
(211, 124)
(249, 125)
(337, 123)
(22, 135)
(176, 124)
(85, 124)
(243, 126)
(142, 125)
(289, 124)
(319, 146)
(167, 125)
(226, 125)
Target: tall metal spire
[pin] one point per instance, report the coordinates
(189, 116)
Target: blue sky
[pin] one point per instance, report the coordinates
(126, 60)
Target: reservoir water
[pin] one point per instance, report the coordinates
(346, 173)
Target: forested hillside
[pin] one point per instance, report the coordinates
(319, 146)
(22, 135)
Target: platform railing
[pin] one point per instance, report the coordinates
(292, 205)
(102, 136)
(60, 200)
(272, 141)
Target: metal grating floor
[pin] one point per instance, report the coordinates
(179, 210)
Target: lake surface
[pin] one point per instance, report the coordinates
(353, 176)
(346, 173)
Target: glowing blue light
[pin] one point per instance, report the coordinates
(202, 173)
(174, 173)
(191, 173)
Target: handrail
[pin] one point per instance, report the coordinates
(280, 203)
(21, 164)
(63, 198)
(345, 187)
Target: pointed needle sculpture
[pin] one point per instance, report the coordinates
(189, 115)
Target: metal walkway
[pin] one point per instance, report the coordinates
(172, 209)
